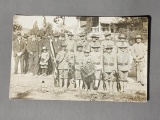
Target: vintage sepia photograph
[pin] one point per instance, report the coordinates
(80, 58)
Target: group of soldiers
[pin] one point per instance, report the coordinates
(83, 63)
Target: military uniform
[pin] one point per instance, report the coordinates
(109, 64)
(108, 42)
(70, 59)
(78, 64)
(123, 64)
(70, 43)
(96, 59)
(93, 43)
(138, 53)
(122, 43)
(83, 42)
(63, 67)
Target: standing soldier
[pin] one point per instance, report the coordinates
(97, 61)
(107, 41)
(33, 49)
(70, 42)
(122, 42)
(63, 69)
(83, 41)
(26, 54)
(109, 66)
(71, 62)
(94, 41)
(123, 65)
(19, 49)
(138, 53)
(79, 54)
(88, 70)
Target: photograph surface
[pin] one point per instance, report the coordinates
(79, 58)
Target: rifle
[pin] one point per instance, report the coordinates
(118, 81)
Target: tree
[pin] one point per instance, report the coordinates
(35, 29)
(16, 25)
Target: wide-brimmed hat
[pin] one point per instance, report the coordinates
(123, 46)
(56, 35)
(138, 37)
(25, 36)
(79, 45)
(87, 51)
(122, 36)
(94, 36)
(108, 47)
(19, 34)
(44, 48)
(70, 34)
(81, 35)
(107, 34)
(64, 44)
(62, 35)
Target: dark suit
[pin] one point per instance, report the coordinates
(26, 58)
(18, 46)
(33, 47)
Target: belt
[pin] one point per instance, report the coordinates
(110, 64)
(122, 63)
(96, 63)
(77, 63)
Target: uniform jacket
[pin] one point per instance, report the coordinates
(123, 61)
(96, 59)
(121, 44)
(78, 59)
(109, 62)
(84, 43)
(107, 42)
(70, 45)
(33, 46)
(138, 51)
(18, 46)
(91, 44)
(70, 57)
(61, 59)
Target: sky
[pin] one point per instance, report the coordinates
(28, 21)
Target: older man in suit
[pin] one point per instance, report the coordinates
(19, 49)
(138, 53)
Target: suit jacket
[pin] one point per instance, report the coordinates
(33, 46)
(18, 47)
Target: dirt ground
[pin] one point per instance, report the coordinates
(30, 87)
